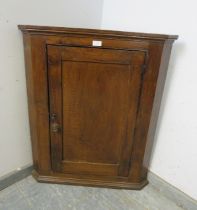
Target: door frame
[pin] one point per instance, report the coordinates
(55, 61)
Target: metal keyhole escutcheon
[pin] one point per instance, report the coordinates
(55, 127)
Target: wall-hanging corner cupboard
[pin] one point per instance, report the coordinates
(94, 98)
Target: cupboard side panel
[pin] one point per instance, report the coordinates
(31, 99)
(144, 110)
(36, 73)
(157, 102)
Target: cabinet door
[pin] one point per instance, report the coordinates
(93, 99)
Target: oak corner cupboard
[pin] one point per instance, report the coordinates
(94, 98)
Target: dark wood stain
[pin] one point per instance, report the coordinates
(93, 110)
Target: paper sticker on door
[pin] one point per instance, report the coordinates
(96, 43)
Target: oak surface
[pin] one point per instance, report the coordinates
(93, 109)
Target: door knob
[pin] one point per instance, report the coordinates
(55, 127)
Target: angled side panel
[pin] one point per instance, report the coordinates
(36, 74)
(145, 109)
(157, 102)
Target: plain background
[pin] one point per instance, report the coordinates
(175, 152)
(15, 147)
(175, 155)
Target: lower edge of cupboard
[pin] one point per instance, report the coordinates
(92, 183)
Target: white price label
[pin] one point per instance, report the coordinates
(96, 43)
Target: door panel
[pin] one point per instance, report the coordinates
(93, 104)
(95, 117)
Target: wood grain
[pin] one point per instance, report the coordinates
(93, 110)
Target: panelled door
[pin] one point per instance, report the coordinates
(93, 97)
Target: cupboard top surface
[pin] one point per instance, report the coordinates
(107, 33)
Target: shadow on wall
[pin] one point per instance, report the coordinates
(177, 51)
